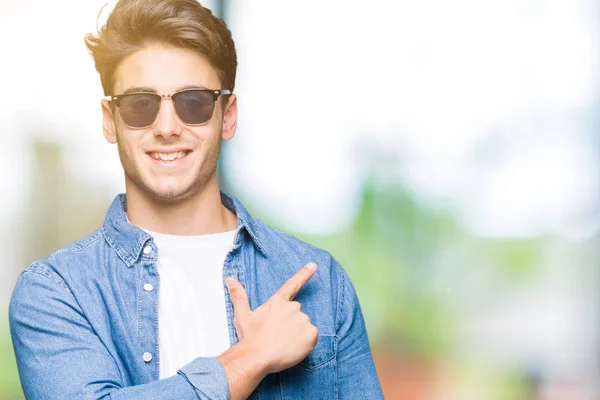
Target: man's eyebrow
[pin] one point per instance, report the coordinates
(146, 89)
(138, 89)
(191, 87)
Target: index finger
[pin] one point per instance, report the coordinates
(290, 289)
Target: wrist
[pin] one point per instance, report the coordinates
(244, 369)
(242, 356)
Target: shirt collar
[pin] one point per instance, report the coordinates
(245, 220)
(128, 240)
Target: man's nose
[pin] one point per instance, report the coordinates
(167, 123)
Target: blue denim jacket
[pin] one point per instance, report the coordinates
(83, 327)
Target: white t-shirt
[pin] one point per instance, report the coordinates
(192, 320)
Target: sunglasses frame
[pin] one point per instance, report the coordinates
(116, 100)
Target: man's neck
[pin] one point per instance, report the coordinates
(200, 214)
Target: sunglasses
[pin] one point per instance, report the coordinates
(193, 106)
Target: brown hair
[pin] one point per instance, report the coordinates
(134, 24)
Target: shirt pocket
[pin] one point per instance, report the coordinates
(323, 352)
(314, 377)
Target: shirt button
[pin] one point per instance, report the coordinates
(148, 287)
(147, 357)
(147, 250)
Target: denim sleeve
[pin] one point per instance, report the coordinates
(355, 369)
(59, 356)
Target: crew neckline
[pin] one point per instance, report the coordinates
(206, 238)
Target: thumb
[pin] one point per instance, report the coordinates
(238, 296)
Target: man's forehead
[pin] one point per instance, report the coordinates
(163, 69)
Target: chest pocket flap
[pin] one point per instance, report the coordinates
(324, 351)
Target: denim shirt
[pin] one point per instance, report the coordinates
(84, 320)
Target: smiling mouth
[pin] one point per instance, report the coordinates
(169, 156)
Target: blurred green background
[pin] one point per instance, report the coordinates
(445, 153)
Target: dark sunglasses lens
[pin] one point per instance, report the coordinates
(139, 110)
(194, 107)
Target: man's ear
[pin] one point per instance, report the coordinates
(108, 121)
(230, 118)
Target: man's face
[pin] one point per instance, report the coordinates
(150, 156)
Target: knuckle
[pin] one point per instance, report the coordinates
(296, 305)
(315, 330)
(235, 292)
(314, 333)
(305, 318)
(236, 298)
(278, 297)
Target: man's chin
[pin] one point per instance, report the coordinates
(170, 195)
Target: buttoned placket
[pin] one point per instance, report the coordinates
(148, 285)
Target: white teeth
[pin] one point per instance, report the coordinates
(167, 156)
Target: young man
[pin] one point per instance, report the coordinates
(181, 294)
